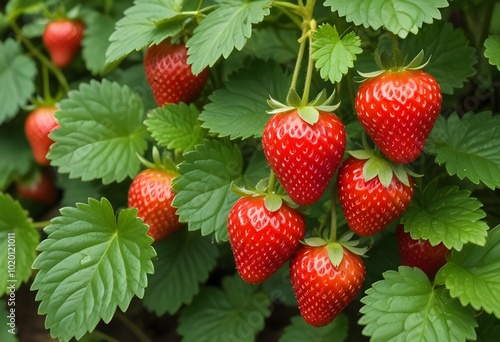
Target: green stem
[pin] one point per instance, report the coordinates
(141, 336)
(396, 52)
(41, 224)
(44, 60)
(296, 70)
(46, 84)
(283, 4)
(333, 223)
(310, 64)
(272, 182)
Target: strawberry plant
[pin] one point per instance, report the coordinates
(321, 170)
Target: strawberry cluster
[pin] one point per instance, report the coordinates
(305, 146)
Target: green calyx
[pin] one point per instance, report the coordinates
(377, 166)
(310, 112)
(164, 163)
(336, 248)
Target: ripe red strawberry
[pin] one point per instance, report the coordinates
(151, 193)
(398, 110)
(304, 156)
(39, 189)
(368, 205)
(323, 290)
(420, 253)
(62, 39)
(170, 76)
(261, 240)
(37, 127)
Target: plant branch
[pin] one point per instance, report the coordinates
(310, 64)
(41, 224)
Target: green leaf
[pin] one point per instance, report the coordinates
(18, 72)
(101, 133)
(397, 16)
(405, 307)
(272, 43)
(334, 55)
(473, 275)
(452, 58)
(91, 262)
(468, 146)
(299, 330)
(489, 328)
(448, 215)
(278, 287)
(204, 197)
(95, 41)
(239, 110)
(138, 28)
(74, 190)
(15, 8)
(18, 241)
(492, 52)
(226, 28)
(8, 333)
(185, 260)
(234, 313)
(17, 157)
(175, 126)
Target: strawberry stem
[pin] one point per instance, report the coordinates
(310, 63)
(272, 182)
(300, 55)
(46, 85)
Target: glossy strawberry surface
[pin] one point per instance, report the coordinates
(369, 206)
(398, 111)
(151, 193)
(323, 290)
(420, 253)
(37, 127)
(170, 76)
(304, 156)
(62, 38)
(262, 241)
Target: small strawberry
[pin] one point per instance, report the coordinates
(398, 109)
(37, 127)
(151, 193)
(323, 288)
(420, 253)
(372, 192)
(62, 39)
(170, 76)
(304, 152)
(39, 189)
(262, 240)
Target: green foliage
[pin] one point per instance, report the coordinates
(239, 110)
(18, 241)
(405, 306)
(473, 275)
(101, 132)
(299, 330)
(204, 197)
(18, 72)
(5, 335)
(448, 215)
(334, 55)
(95, 42)
(468, 147)
(175, 126)
(492, 52)
(16, 155)
(91, 262)
(234, 312)
(184, 261)
(226, 28)
(397, 16)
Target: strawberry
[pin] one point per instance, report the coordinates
(170, 76)
(62, 39)
(420, 253)
(304, 156)
(322, 289)
(39, 189)
(371, 200)
(262, 240)
(37, 127)
(151, 193)
(398, 110)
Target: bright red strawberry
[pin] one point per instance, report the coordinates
(323, 290)
(37, 127)
(170, 76)
(62, 39)
(151, 193)
(398, 110)
(304, 156)
(39, 189)
(369, 206)
(420, 253)
(262, 241)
